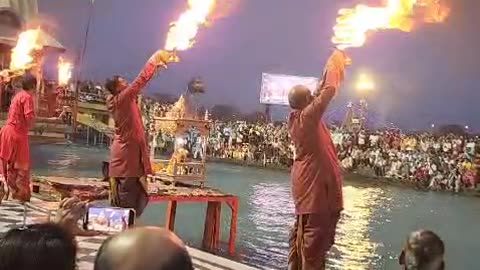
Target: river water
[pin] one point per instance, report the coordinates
(373, 227)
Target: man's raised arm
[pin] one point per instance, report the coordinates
(159, 59)
(328, 86)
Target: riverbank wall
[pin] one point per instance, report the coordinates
(364, 176)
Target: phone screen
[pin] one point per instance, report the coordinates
(109, 219)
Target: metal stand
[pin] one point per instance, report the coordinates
(24, 224)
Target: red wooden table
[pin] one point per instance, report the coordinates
(211, 233)
(161, 192)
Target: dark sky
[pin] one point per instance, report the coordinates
(427, 76)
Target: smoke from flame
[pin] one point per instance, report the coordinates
(181, 35)
(64, 71)
(353, 24)
(22, 53)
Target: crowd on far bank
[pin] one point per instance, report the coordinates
(434, 162)
(428, 161)
(425, 160)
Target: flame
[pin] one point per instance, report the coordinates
(181, 35)
(353, 24)
(26, 44)
(64, 71)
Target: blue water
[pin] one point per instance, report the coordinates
(370, 235)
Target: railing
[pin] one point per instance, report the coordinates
(180, 171)
(90, 122)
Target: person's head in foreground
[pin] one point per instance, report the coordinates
(424, 250)
(146, 248)
(29, 82)
(39, 246)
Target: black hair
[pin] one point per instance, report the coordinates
(101, 260)
(105, 170)
(112, 84)
(39, 246)
(180, 260)
(29, 82)
(425, 248)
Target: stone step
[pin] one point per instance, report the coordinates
(11, 216)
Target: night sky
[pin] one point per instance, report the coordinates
(427, 76)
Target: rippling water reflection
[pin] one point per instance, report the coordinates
(354, 250)
(271, 214)
(370, 233)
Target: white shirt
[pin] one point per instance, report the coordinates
(373, 139)
(361, 139)
(337, 138)
(447, 146)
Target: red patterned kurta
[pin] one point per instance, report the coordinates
(14, 145)
(129, 151)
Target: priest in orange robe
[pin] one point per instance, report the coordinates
(129, 158)
(316, 176)
(14, 143)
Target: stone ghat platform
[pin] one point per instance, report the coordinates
(12, 217)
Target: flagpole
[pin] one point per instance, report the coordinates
(80, 63)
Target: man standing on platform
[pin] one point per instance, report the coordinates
(130, 159)
(14, 143)
(316, 176)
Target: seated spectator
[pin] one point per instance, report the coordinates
(424, 250)
(41, 246)
(147, 248)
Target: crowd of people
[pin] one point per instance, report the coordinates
(436, 162)
(443, 162)
(92, 92)
(53, 245)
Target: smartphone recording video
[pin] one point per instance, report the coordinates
(109, 219)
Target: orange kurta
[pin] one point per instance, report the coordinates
(316, 181)
(14, 146)
(14, 143)
(316, 176)
(129, 151)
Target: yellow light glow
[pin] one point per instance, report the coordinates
(365, 83)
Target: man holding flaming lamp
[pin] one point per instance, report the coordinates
(315, 175)
(130, 159)
(14, 142)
